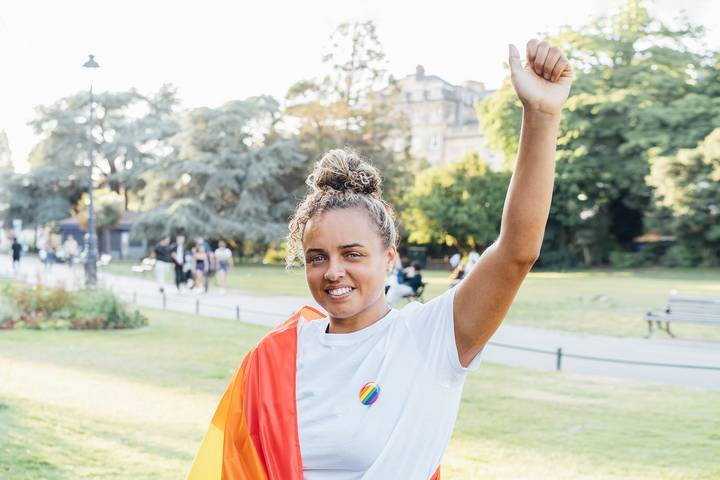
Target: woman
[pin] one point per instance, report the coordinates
(200, 265)
(369, 392)
(223, 257)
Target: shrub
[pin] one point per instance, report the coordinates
(620, 259)
(43, 308)
(275, 254)
(8, 314)
(101, 309)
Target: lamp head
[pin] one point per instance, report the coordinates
(91, 63)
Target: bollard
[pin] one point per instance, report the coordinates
(135, 298)
(164, 301)
(558, 365)
(197, 306)
(237, 312)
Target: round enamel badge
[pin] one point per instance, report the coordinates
(369, 393)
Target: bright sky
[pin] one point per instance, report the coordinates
(215, 51)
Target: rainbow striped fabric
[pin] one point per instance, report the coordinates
(253, 434)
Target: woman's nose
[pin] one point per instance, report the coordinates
(334, 272)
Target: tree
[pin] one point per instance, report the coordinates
(230, 175)
(640, 90)
(129, 134)
(5, 153)
(351, 106)
(45, 194)
(687, 185)
(458, 204)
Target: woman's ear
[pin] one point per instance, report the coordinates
(391, 254)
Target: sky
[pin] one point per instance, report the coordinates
(215, 51)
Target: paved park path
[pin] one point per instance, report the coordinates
(269, 310)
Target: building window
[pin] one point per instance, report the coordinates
(434, 142)
(426, 94)
(408, 97)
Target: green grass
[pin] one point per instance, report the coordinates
(135, 404)
(610, 302)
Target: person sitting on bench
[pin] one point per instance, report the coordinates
(412, 281)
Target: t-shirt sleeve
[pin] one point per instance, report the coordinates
(433, 330)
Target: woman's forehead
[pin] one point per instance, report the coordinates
(340, 227)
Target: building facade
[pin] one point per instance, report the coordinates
(444, 125)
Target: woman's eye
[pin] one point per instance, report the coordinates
(316, 259)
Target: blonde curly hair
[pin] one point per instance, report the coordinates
(341, 179)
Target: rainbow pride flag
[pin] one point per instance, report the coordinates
(253, 434)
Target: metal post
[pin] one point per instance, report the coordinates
(558, 364)
(135, 298)
(197, 306)
(164, 301)
(237, 312)
(91, 259)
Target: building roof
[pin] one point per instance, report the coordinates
(127, 220)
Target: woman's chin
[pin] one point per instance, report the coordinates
(340, 311)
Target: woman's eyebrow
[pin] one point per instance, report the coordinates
(314, 250)
(352, 245)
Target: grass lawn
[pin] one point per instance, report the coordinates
(135, 404)
(594, 302)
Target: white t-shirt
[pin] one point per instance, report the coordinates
(411, 355)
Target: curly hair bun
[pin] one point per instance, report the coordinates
(344, 170)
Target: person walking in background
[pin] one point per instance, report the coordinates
(200, 265)
(177, 252)
(163, 260)
(473, 259)
(17, 249)
(50, 249)
(70, 248)
(224, 261)
(211, 266)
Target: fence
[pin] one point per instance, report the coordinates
(237, 311)
(558, 353)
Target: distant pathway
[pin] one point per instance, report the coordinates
(269, 310)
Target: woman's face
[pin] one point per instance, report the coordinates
(346, 264)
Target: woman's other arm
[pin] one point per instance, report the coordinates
(484, 297)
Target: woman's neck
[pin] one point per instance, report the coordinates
(362, 319)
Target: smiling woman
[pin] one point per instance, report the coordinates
(366, 391)
(345, 235)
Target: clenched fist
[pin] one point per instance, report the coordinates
(543, 84)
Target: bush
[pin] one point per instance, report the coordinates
(682, 255)
(101, 309)
(275, 254)
(620, 259)
(8, 314)
(43, 308)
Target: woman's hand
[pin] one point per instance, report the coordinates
(543, 84)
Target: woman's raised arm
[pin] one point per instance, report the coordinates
(484, 297)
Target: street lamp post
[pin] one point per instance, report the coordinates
(91, 257)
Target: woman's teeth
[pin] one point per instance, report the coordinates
(339, 291)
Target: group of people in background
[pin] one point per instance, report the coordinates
(193, 265)
(48, 252)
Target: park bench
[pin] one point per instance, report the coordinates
(417, 295)
(146, 265)
(683, 309)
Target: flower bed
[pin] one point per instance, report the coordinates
(56, 308)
